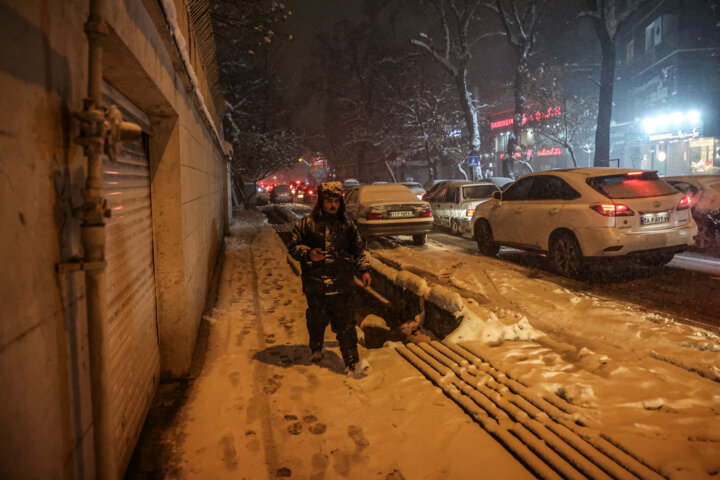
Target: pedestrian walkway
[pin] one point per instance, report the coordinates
(254, 407)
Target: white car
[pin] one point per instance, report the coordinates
(454, 204)
(416, 188)
(392, 209)
(582, 214)
(500, 182)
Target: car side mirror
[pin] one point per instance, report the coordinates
(497, 195)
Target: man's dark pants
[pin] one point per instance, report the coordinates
(337, 311)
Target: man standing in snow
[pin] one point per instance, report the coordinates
(328, 246)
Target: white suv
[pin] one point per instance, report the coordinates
(579, 214)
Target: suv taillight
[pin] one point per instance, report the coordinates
(374, 216)
(685, 203)
(613, 209)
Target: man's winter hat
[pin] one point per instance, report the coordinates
(328, 189)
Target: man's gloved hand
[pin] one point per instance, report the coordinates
(317, 255)
(367, 280)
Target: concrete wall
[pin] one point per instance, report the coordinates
(45, 413)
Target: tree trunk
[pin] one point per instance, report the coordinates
(607, 84)
(514, 140)
(464, 173)
(468, 111)
(390, 171)
(239, 186)
(572, 154)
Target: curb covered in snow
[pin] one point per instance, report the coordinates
(411, 296)
(408, 296)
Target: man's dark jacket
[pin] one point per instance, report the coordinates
(339, 237)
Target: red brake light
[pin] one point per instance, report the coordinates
(613, 209)
(685, 203)
(310, 192)
(374, 216)
(469, 212)
(425, 213)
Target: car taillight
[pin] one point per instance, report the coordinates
(310, 192)
(685, 203)
(469, 212)
(425, 213)
(374, 216)
(613, 209)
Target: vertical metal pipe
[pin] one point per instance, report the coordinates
(93, 238)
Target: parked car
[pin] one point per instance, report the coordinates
(435, 188)
(705, 207)
(263, 195)
(381, 210)
(350, 183)
(281, 194)
(306, 194)
(453, 206)
(582, 214)
(416, 188)
(501, 182)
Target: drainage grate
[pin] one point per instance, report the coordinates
(538, 431)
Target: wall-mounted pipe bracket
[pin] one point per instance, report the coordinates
(78, 266)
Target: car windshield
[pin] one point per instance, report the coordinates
(387, 194)
(478, 191)
(631, 185)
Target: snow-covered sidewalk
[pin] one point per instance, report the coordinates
(257, 408)
(573, 384)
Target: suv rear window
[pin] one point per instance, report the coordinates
(645, 184)
(282, 189)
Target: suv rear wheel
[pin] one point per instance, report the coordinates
(565, 254)
(484, 238)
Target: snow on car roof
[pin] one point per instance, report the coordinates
(593, 171)
(379, 193)
(468, 182)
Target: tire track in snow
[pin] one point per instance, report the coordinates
(539, 431)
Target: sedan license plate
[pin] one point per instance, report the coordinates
(654, 218)
(401, 213)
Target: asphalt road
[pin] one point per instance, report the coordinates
(693, 261)
(688, 288)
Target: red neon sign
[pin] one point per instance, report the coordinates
(532, 117)
(553, 152)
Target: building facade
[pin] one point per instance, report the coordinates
(137, 315)
(535, 151)
(667, 96)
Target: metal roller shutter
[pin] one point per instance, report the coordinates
(130, 280)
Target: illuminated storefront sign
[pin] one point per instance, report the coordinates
(552, 152)
(319, 162)
(545, 152)
(678, 135)
(527, 117)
